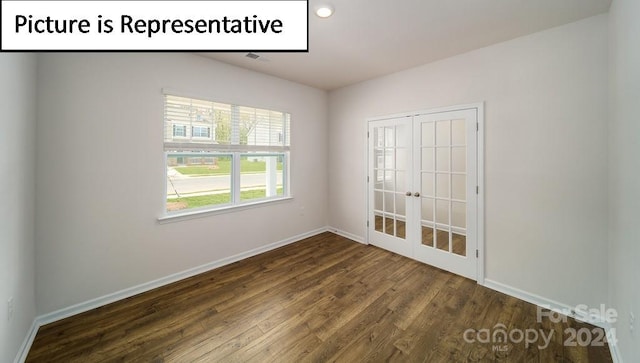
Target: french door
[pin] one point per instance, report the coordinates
(422, 188)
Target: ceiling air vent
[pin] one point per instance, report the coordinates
(252, 55)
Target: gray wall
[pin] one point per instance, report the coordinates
(17, 185)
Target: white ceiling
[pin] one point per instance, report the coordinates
(365, 39)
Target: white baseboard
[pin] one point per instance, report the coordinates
(543, 302)
(346, 234)
(526, 296)
(147, 286)
(28, 340)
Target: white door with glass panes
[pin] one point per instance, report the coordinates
(389, 180)
(422, 187)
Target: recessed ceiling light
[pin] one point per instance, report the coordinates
(324, 11)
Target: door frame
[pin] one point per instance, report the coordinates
(479, 107)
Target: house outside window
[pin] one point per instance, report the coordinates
(230, 155)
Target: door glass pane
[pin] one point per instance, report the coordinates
(458, 132)
(389, 226)
(459, 187)
(389, 178)
(377, 203)
(427, 184)
(442, 240)
(442, 211)
(459, 159)
(442, 159)
(378, 137)
(442, 133)
(400, 181)
(427, 159)
(426, 209)
(389, 159)
(458, 214)
(428, 134)
(427, 236)
(459, 242)
(401, 209)
(388, 203)
(402, 135)
(389, 137)
(401, 159)
(401, 230)
(378, 161)
(378, 223)
(379, 178)
(442, 185)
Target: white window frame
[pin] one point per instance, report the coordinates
(236, 152)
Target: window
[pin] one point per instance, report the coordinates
(234, 155)
(179, 131)
(201, 131)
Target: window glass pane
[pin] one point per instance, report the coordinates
(260, 176)
(198, 180)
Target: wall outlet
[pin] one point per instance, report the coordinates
(10, 309)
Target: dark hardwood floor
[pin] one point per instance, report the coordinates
(322, 299)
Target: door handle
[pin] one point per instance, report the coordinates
(408, 194)
(416, 194)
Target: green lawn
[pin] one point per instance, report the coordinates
(215, 199)
(224, 167)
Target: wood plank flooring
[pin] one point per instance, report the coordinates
(318, 300)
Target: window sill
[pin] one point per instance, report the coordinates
(200, 213)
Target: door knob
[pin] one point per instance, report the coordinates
(408, 194)
(416, 194)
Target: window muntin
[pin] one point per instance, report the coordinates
(232, 155)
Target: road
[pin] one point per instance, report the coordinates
(193, 185)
